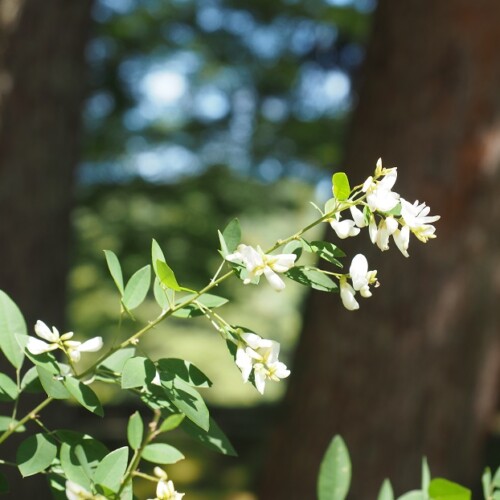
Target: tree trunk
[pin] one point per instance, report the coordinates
(42, 75)
(414, 372)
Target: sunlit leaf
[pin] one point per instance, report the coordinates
(161, 453)
(84, 395)
(137, 372)
(386, 492)
(135, 430)
(312, 277)
(442, 489)
(111, 469)
(137, 288)
(335, 471)
(340, 186)
(115, 269)
(13, 332)
(35, 454)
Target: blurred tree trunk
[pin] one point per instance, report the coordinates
(42, 69)
(415, 370)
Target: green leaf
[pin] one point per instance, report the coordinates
(135, 430)
(13, 332)
(486, 482)
(186, 399)
(8, 388)
(172, 422)
(167, 276)
(442, 489)
(414, 495)
(51, 383)
(184, 370)
(496, 478)
(232, 235)
(223, 247)
(6, 423)
(117, 360)
(330, 205)
(80, 454)
(156, 255)
(161, 453)
(213, 438)
(30, 381)
(386, 492)
(115, 269)
(294, 246)
(313, 278)
(84, 395)
(426, 475)
(160, 295)
(335, 471)
(137, 372)
(325, 250)
(111, 469)
(35, 454)
(208, 300)
(340, 186)
(137, 288)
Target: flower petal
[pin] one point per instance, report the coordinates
(44, 332)
(347, 294)
(36, 346)
(274, 280)
(91, 345)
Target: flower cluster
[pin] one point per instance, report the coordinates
(258, 262)
(165, 489)
(261, 356)
(361, 279)
(52, 340)
(397, 217)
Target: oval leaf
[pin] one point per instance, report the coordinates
(172, 422)
(232, 235)
(161, 453)
(135, 430)
(84, 395)
(184, 370)
(335, 471)
(340, 186)
(213, 438)
(115, 269)
(111, 469)
(167, 276)
(8, 388)
(442, 489)
(313, 278)
(137, 372)
(35, 454)
(137, 288)
(13, 332)
(386, 492)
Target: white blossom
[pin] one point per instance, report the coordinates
(416, 217)
(361, 279)
(379, 194)
(76, 492)
(402, 239)
(343, 228)
(257, 263)
(261, 356)
(165, 489)
(52, 340)
(358, 217)
(347, 295)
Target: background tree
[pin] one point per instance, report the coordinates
(42, 81)
(415, 371)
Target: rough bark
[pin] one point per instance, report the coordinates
(415, 370)
(42, 68)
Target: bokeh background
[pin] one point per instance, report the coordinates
(124, 120)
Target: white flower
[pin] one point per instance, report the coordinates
(416, 217)
(385, 229)
(76, 492)
(261, 356)
(358, 217)
(361, 279)
(379, 194)
(165, 489)
(402, 239)
(343, 228)
(55, 341)
(257, 263)
(75, 348)
(347, 295)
